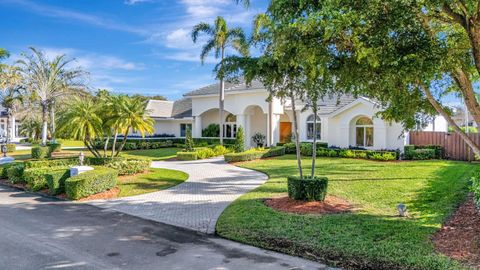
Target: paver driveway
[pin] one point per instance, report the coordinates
(198, 202)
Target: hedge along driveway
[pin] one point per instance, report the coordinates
(196, 203)
(373, 237)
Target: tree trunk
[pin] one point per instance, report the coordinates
(114, 144)
(458, 130)
(44, 123)
(221, 100)
(297, 139)
(314, 146)
(8, 126)
(123, 142)
(473, 31)
(466, 87)
(52, 121)
(105, 146)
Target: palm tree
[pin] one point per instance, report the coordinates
(10, 96)
(131, 115)
(48, 80)
(220, 38)
(31, 127)
(81, 121)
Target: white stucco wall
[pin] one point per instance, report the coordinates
(169, 126)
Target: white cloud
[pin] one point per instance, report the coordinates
(133, 2)
(189, 57)
(179, 38)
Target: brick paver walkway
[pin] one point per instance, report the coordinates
(198, 202)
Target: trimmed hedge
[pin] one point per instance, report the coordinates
(40, 152)
(36, 178)
(15, 173)
(255, 153)
(476, 187)
(56, 180)
(307, 189)
(4, 168)
(417, 152)
(156, 143)
(58, 162)
(187, 156)
(54, 147)
(203, 153)
(90, 182)
(363, 154)
(129, 166)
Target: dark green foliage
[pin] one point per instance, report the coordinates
(54, 147)
(212, 130)
(187, 155)
(40, 152)
(129, 166)
(239, 145)
(11, 147)
(36, 178)
(189, 144)
(476, 187)
(156, 143)
(4, 168)
(56, 180)
(274, 152)
(15, 173)
(100, 161)
(307, 189)
(417, 152)
(351, 153)
(91, 182)
(290, 148)
(255, 153)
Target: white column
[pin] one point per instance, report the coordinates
(13, 128)
(276, 129)
(197, 128)
(241, 122)
(248, 136)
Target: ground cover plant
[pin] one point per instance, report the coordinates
(373, 237)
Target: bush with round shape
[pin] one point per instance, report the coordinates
(54, 147)
(187, 156)
(205, 153)
(220, 150)
(307, 189)
(15, 173)
(40, 152)
(91, 182)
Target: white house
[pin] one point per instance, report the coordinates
(342, 121)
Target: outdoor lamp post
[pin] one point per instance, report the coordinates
(81, 158)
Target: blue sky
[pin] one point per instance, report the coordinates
(128, 46)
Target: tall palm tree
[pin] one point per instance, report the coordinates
(48, 80)
(31, 127)
(220, 38)
(131, 115)
(81, 121)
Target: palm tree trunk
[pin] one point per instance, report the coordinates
(105, 146)
(114, 144)
(221, 98)
(44, 123)
(52, 122)
(295, 132)
(8, 126)
(123, 142)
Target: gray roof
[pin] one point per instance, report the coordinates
(328, 105)
(213, 89)
(170, 109)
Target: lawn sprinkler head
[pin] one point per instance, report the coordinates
(402, 210)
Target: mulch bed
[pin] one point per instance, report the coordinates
(331, 205)
(459, 237)
(108, 194)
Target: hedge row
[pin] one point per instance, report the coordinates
(142, 144)
(203, 152)
(417, 152)
(90, 182)
(40, 152)
(56, 180)
(476, 187)
(290, 147)
(255, 153)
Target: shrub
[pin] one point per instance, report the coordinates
(205, 153)
(346, 153)
(51, 162)
(56, 180)
(259, 139)
(90, 182)
(423, 154)
(36, 177)
(383, 156)
(54, 147)
(189, 144)
(239, 145)
(40, 152)
(100, 161)
(306, 149)
(129, 166)
(220, 150)
(274, 152)
(476, 187)
(307, 189)
(290, 148)
(212, 130)
(4, 168)
(15, 173)
(187, 155)
(11, 147)
(360, 153)
(130, 146)
(250, 154)
(417, 152)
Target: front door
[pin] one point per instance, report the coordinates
(285, 131)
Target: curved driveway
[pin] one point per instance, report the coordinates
(198, 202)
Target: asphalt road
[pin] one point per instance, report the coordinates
(41, 233)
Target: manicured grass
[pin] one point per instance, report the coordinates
(371, 238)
(153, 154)
(71, 143)
(154, 180)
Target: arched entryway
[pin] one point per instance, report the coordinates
(209, 123)
(256, 122)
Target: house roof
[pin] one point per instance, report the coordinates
(213, 89)
(170, 109)
(329, 105)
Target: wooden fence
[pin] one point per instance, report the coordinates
(454, 146)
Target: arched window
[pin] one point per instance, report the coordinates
(310, 128)
(230, 126)
(364, 132)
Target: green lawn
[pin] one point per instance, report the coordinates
(71, 143)
(154, 180)
(372, 238)
(153, 154)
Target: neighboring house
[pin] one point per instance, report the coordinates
(15, 124)
(342, 121)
